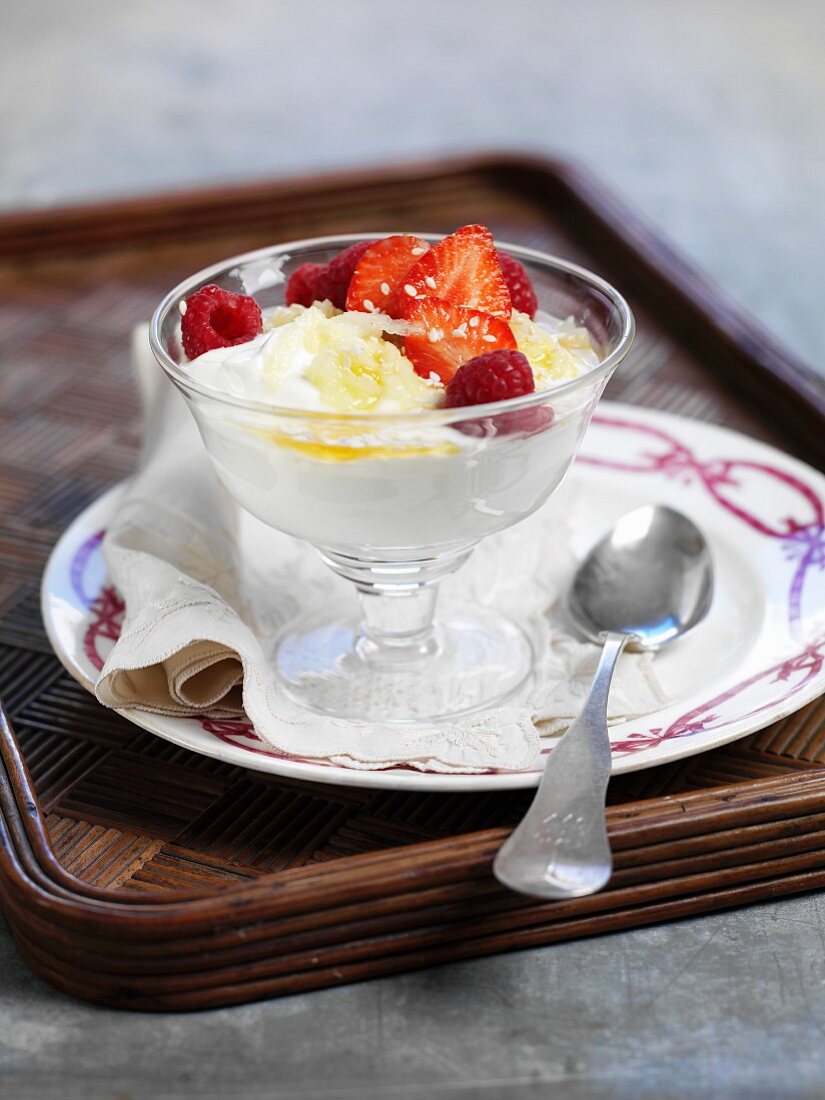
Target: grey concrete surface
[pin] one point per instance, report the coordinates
(709, 117)
(730, 1005)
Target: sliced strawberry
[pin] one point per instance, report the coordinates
(463, 269)
(448, 335)
(380, 274)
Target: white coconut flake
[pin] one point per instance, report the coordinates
(393, 326)
(434, 335)
(473, 322)
(419, 250)
(182, 307)
(369, 306)
(430, 281)
(489, 338)
(385, 288)
(410, 289)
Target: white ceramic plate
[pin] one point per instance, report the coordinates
(759, 656)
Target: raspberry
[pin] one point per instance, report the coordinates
(521, 421)
(333, 281)
(301, 288)
(522, 295)
(493, 376)
(217, 318)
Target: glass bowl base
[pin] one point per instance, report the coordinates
(472, 661)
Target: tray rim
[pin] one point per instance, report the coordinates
(126, 968)
(630, 824)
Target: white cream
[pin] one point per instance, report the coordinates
(454, 490)
(378, 485)
(245, 370)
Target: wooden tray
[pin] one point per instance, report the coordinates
(137, 874)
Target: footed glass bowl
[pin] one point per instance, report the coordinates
(394, 503)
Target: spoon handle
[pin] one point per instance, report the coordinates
(560, 849)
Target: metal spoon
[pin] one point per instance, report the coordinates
(647, 582)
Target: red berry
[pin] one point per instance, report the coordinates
(521, 421)
(493, 376)
(446, 336)
(217, 318)
(522, 295)
(333, 281)
(381, 272)
(497, 376)
(463, 269)
(300, 290)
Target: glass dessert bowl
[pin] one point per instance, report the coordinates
(394, 501)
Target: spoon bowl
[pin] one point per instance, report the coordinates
(650, 577)
(646, 583)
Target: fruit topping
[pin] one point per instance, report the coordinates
(448, 335)
(497, 376)
(462, 269)
(381, 272)
(302, 286)
(217, 318)
(522, 296)
(492, 376)
(556, 353)
(333, 281)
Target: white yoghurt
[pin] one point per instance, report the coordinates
(241, 371)
(393, 490)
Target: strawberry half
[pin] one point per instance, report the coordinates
(381, 272)
(448, 335)
(462, 269)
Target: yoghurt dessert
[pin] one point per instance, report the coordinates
(393, 401)
(376, 347)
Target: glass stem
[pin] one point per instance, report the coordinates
(400, 622)
(397, 601)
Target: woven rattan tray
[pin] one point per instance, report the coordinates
(134, 873)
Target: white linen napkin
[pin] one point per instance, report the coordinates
(206, 586)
